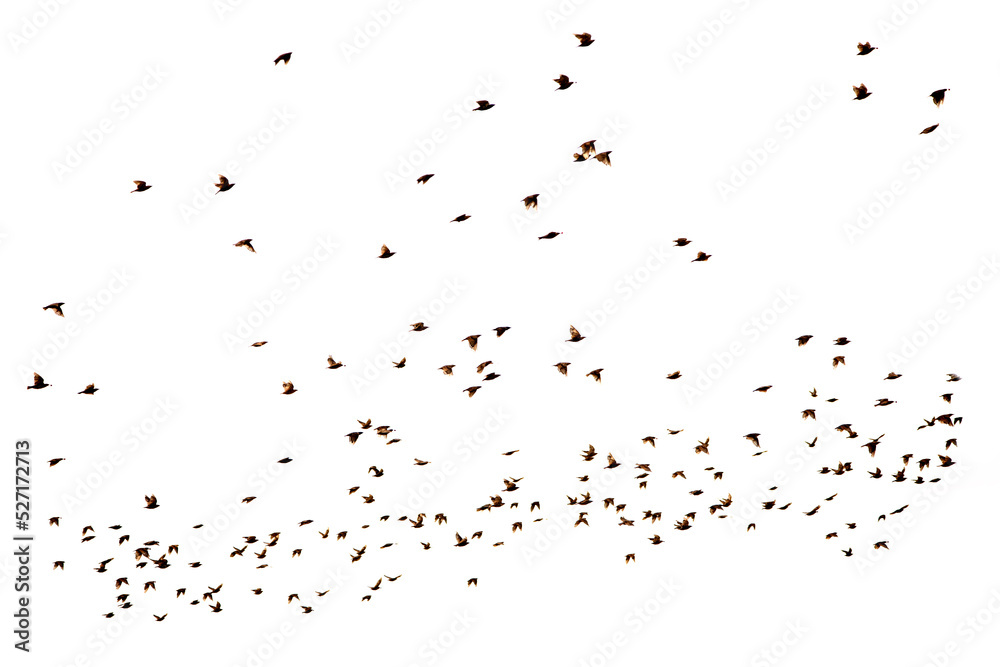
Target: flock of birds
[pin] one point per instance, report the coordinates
(861, 91)
(264, 549)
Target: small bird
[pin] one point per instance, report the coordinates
(447, 369)
(473, 341)
(837, 361)
(461, 218)
(596, 374)
(588, 148)
(675, 375)
(681, 242)
(386, 253)
(550, 235)
(283, 58)
(288, 388)
(260, 343)
(53, 462)
(586, 40)
(563, 82)
(140, 186)
(245, 243)
(55, 308)
(937, 97)
(332, 364)
(151, 503)
(419, 326)
(841, 341)
(531, 201)
(472, 390)
(483, 105)
(563, 367)
(861, 92)
(501, 330)
(574, 335)
(39, 383)
(89, 390)
(763, 389)
(803, 340)
(400, 364)
(865, 49)
(423, 179)
(702, 257)
(223, 184)
(604, 158)
(928, 130)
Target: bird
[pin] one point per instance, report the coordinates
(39, 383)
(588, 148)
(223, 184)
(596, 374)
(803, 340)
(423, 179)
(531, 201)
(675, 375)
(332, 364)
(260, 343)
(288, 388)
(604, 158)
(865, 49)
(151, 503)
(53, 462)
(562, 367)
(585, 40)
(501, 330)
(702, 257)
(472, 390)
(837, 361)
(283, 58)
(89, 390)
(55, 308)
(550, 235)
(461, 218)
(928, 130)
(386, 253)
(141, 186)
(574, 335)
(447, 369)
(483, 105)
(245, 243)
(473, 341)
(681, 242)
(563, 82)
(937, 97)
(861, 92)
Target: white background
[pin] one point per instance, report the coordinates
(687, 96)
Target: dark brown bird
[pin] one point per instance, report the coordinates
(55, 308)
(151, 503)
(574, 335)
(675, 375)
(483, 105)
(140, 186)
(563, 367)
(283, 58)
(588, 148)
(472, 390)
(423, 179)
(803, 340)
(501, 330)
(928, 130)
(604, 158)
(473, 341)
(550, 235)
(447, 370)
(39, 383)
(861, 92)
(332, 364)
(288, 388)
(245, 243)
(563, 82)
(260, 343)
(386, 253)
(89, 390)
(223, 184)
(586, 40)
(681, 242)
(531, 201)
(865, 49)
(596, 374)
(461, 218)
(938, 96)
(702, 257)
